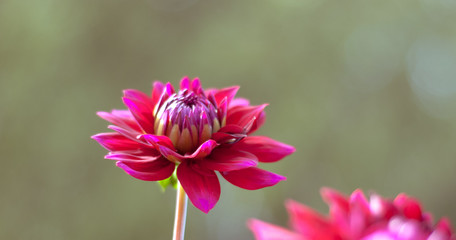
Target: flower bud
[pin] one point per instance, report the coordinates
(188, 119)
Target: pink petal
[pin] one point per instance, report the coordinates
(231, 128)
(169, 89)
(115, 142)
(308, 222)
(201, 186)
(252, 178)
(159, 140)
(222, 109)
(228, 93)
(157, 91)
(153, 174)
(166, 147)
(237, 102)
(410, 207)
(170, 154)
(335, 200)
(192, 85)
(339, 208)
(196, 86)
(259, 121)
(185, 83)
(153, 165)
(121, 118)
(359, 213)
(229, 134)
(203, 150)
(380, 235)
(227, 159)
(246, 116)
(444, 227)
(229, 138)
(266, 231)
(127, 157)
(142, 113)
(134, 94)
(132, 135)
(381, 208)
(264, 148)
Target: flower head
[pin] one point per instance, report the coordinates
(196, 133)
(355, 217)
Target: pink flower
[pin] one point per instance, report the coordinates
(198, 132)
(355, 217)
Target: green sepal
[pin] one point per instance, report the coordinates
(172, 180)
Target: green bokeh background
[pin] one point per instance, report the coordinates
(365, 90)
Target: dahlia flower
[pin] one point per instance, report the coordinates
(194, 133)
(355, 217)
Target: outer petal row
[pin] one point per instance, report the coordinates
(264, 148)
(114, 141)
(223, 160)
(252, 178)
(249, 118)
(148, 172)
(201, 185)
(142, 112)
(121, 118)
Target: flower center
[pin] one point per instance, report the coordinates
(188, 119)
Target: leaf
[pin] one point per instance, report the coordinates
(172, 180)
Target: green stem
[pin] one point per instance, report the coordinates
(181, 213)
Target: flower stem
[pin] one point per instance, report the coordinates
(181, 213)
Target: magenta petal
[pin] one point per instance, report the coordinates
(229, 134)
(309, 222)
(166, 147)
(335, 199)
(203, 190)
(237, 102)
(359, 212)
(229, 160)
(252, 178)
(264, 148)
(157, 174)
(231, 128)
(142, 113)
(259, 121)
(266, 231)
(157, 164)
(170, 154)
(185, 83)
(121, 118)
(159, 140)
(243, 116)
(115, 142)
(228, 93)
(192, 85)
(196, 85)
(132, 135)
(127, 157)
(169, 89)
(138, 96)
(203, 150)
(157, 91)
(410, 207)
(444, 227)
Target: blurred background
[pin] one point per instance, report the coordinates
(365, 90)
